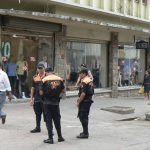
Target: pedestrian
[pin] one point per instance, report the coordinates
(146, 84)
(86, 91)
(36, 99)
(5, 88)
(83, 67)
(51, 88)
(22, 75)
(11, 72)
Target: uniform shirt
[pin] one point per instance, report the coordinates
(21, 67)
(4, 82)
(37, 79)
(52, 87)
(87, 88)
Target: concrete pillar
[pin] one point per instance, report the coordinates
(84, 2)
(95, 3)
(60, 47)
(148, 54)
(107, 5)
(0, 39)
(113, 66)
(126, 7)
(148, 10)
(135, 7)
(114, 5)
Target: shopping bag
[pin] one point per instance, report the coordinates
(141, 90)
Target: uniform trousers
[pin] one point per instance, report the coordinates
(38, 109)
(52, 113)
(83, 114)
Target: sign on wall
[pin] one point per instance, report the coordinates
(141, 45)
(6, 49)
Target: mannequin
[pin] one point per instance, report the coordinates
(22, 73)
(119, 78)
(44, 62)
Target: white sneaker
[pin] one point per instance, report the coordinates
(24, 97)
(14, 97)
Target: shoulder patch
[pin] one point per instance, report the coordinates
(36, 78)
(51, 78)
(86, 80)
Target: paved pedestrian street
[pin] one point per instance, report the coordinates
(106, 132)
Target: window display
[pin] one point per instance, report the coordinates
(94, 56)
(26, 52)
(131, 65)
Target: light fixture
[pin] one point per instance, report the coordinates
(14, 35)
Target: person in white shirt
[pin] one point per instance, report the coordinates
(4, 88)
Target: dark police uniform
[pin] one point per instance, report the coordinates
(52, 87)
(86, 87)
(38, 102)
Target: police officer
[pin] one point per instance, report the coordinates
(86, 91)
(36, 98)
(51, 88)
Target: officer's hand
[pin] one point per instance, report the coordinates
(31, 102)
(78, 103)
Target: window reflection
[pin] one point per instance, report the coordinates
(93, 55)
(130, 65)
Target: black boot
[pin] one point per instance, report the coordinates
(3, 120)
(61, 139)
(49, 141)
(36, 130)
(83, 136)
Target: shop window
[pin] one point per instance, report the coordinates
(93, 55)
(33, 49)
(130, 66)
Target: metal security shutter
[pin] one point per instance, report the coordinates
(30, 25)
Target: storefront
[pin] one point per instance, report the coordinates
(31, 39)
(131, 65)
(111, 57)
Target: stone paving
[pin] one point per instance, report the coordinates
(106, 132)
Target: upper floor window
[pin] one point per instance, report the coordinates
(137, 1)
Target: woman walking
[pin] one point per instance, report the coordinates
(147, 84)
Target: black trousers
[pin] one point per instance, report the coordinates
(38, 109)
(52, 113)
(22, 80)
(12, 80)
(83, 114)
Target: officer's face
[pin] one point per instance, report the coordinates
(40, 70)
(82, 75)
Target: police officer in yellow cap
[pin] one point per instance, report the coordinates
(36, 99)
(86, 91)
(51, 88)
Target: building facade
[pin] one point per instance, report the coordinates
(110, 36)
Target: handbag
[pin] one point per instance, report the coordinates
(141, 90)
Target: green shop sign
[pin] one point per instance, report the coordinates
(6, 49)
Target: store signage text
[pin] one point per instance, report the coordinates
(141, 45)
(6, 49)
